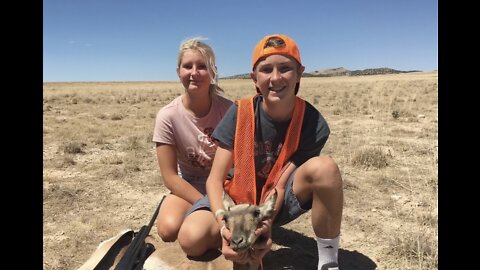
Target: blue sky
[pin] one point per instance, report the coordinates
(128, 40)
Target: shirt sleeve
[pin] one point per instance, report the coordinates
(315, 133)
(163, 130)
(225, 130)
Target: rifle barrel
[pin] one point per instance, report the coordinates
(130, 259)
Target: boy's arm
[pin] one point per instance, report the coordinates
(221, 166)
(265, 229)
(281, 186)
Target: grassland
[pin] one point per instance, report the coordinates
(101, 175)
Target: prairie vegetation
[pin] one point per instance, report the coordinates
(101, 174)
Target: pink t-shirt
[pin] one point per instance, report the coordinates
(191, 136)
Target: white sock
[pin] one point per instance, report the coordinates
(327, 250)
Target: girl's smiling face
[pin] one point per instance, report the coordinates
(193, 71)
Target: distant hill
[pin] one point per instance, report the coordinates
(239, 76)
(340, 71)
(330, 72)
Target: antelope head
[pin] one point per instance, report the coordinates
(243, 219)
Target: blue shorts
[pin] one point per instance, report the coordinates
(197, 182)
(290, 211)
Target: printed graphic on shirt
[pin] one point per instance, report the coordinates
(203, 156)
(268, 156)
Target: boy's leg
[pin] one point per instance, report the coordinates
(200, 230)
(318, 181)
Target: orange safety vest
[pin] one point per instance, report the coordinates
(242, 188)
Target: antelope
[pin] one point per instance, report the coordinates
(242, 220)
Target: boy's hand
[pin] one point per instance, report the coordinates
(264, 241)
(256, 252)
(229, 253)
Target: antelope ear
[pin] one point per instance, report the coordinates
(267, 209)
(227, 201)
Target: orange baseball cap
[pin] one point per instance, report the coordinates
(290, 49)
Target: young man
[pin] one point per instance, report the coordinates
(273, 141)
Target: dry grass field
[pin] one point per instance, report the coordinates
(101, 175)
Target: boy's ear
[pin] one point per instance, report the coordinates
(301, 69)
(254, 78)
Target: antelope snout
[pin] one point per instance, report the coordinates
(237, 241)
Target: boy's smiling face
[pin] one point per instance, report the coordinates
(276, 76)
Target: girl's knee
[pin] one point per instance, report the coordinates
(168, 230)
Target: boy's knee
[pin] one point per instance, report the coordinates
(188, 239)
(329, 166)
(324, 171)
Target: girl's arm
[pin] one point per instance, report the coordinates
(167, 161)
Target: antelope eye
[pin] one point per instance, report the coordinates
(256, 213)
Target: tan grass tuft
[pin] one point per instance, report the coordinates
(415, 247)
(73, 148)
(370, 157)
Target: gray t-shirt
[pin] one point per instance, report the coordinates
(270, 135)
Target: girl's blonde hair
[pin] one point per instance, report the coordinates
(197, 44)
